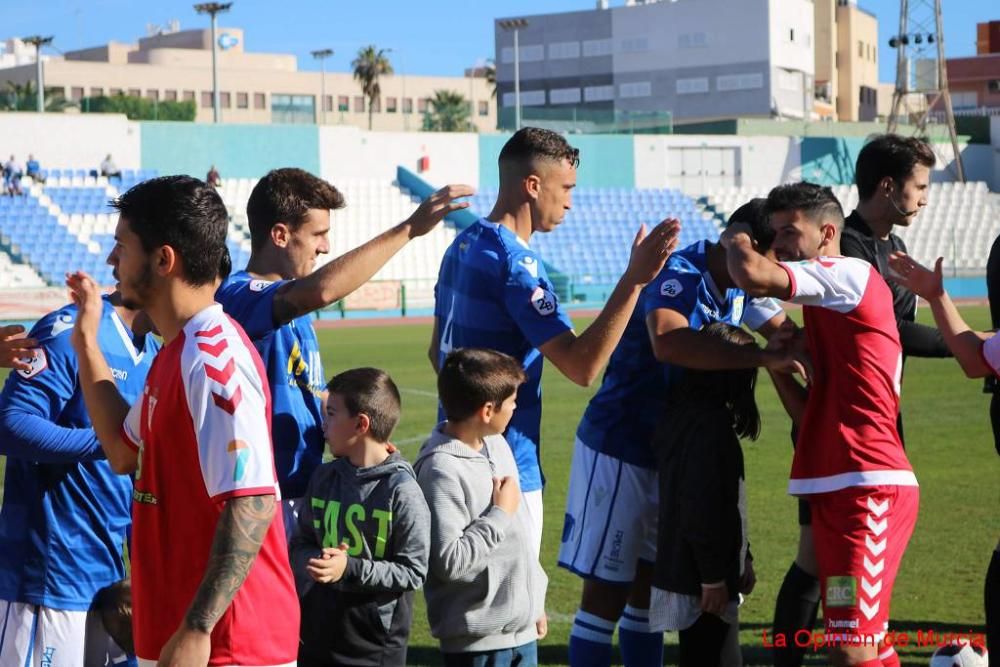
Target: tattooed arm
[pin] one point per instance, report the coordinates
(238, 537)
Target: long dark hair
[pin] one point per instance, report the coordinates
(733, 388)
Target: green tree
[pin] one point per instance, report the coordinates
(491, 75)
(140, 108)
(17, 97)
(448, 111)
(370, 65)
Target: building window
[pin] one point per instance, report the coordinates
(259, 101)
(170, 95)
(484, 108)
(225, 100)
(242, 101)
(692, 86)
(993, 86)
(564, 50)
(564, 96)
(730, 82)
(114, 92)
(188, 96)
(692, 40)
(293, 109)
(359, 104)
(77, 93)
(206, 99)
(96, 92)
(134, 92)
(422, 105)
(791, 34)
(790, 81)
(391, 105)
(861, 49)
(597, 47)
(376, 105)
(635, 89)
(529, 54)
(529, 98)
(153, 94)
(328, 103)
(343, 103)
(635, 45)
(598, 93)
(407, 105)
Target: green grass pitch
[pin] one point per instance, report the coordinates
(940, 587)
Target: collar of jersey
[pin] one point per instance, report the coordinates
(503, 231)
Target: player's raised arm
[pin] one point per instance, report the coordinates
(581, 358)
(964, 343)
(107, 409)
(752, 272)
(346, 273)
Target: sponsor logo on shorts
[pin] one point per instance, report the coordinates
(841, 592)
(47, 656)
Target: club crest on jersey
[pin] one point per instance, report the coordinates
(671, 287)
(738, 308)
(543, 301)
(38, 362)
(259, 285)
(62, 324)
(530, 265)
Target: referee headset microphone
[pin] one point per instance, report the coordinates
(890, 192)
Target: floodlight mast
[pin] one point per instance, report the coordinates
(212, 9)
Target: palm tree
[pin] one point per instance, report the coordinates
(23, 98)
(448, 112)
(491, 75)
(369, 65)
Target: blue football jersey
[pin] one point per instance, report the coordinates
(493, 292)
(295, 372)
(620, 419)
(66, 516)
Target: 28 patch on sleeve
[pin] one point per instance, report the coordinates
(259, 285)
(671, 287)
(543, 301)
(39, 362)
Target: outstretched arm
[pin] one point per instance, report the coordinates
(964, 343)
(105, 405)
(353, 269)
(581, 358)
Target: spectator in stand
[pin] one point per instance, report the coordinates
(110, 169)
(33, 169)
(12, 173)
(213, 177)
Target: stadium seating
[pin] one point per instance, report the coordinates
(593, 243)
(959, 223)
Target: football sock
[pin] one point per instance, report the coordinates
(889, 657)
(992, 595)
(795, 609)
(590, 641)
(639, 646)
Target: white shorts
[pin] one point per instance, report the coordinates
(533, 501)
(611, 515)
(37, 636)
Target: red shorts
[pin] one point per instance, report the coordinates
(860, 534)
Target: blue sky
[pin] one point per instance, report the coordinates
(428, 37)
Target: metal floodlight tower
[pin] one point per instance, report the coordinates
(920, 43)
(321, 55)
(516, 25)
(212, 9)
(38, 42)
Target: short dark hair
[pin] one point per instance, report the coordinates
(889, 155)
(184, 213)
(754, 213)
(369, 391)
(733, 388)
(817, 202)
(286, 195)
(531, 144)
(472, 377)
(113, 603)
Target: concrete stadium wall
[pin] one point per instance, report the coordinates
(346, 153)
(65, 140)
(605, 160)
(237, 151)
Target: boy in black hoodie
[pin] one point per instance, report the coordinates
(363, 532)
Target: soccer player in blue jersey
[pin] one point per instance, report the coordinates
(493, 291)
(66, 515)
(273, 299)
(609, 531)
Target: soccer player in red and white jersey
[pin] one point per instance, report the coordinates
(978, 353)
(849, 459)
(210, 576)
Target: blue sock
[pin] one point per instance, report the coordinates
(590, 641)
(639, 646)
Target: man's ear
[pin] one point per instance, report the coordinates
(533, 186)
(166, 260)
(280, 234)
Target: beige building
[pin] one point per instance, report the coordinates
(253, 87)
(847, 86)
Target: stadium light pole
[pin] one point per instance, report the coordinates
(516, 25)
(321, 55)
(212, 9)
(38, 42)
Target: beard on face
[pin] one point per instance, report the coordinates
(139, 288)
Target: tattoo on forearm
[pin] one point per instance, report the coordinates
(238, 537)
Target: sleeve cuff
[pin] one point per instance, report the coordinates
(791, 279)
(241, 493)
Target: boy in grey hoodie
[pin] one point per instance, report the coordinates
(363, 532)
(486, 590)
